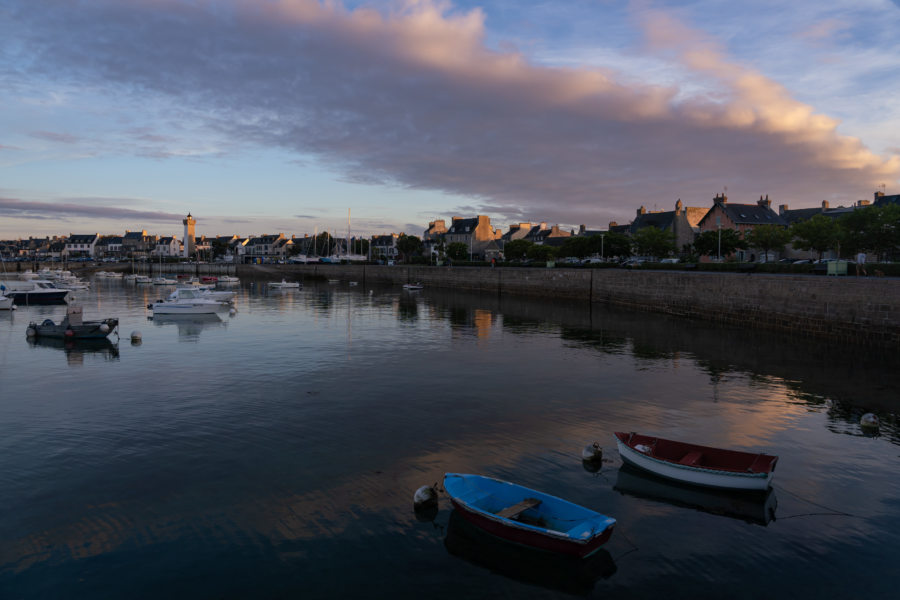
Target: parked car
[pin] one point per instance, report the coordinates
(669, 261)
(803, 261)
(591, 261)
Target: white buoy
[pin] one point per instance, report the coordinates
(104, 328)
(425, 497)
(593, 452)
(135, 336)
(869, 421)
(30, 332)
(232, 312)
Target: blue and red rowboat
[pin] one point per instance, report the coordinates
(528, 517)
(699, 465)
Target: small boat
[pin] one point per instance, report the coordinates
(285, 285)
(227, 279)
(35, 291)
(202, 291)
(73, 327)
(6, 303)
(164, 281)
(528, 517)
(209, 279)
(699, 465)
(143, 279)
(354, 283)
(188, 302)
(413, 286)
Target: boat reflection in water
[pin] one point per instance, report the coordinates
(559, 572)
(752, 507)
(76, 350)
(189, 326)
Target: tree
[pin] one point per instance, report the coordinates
(767, 237)
(613, 244)
(540, 253)
(517, 249)
(219, 248)
(707, 243)
(819, 233)
(458, 251)
(576, 246)
(408, 245)
(652, 241)
(875, 229)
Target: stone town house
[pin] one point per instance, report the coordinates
(683, 222)
(741, 218)
(477, 234)
(81, 245)
(385, 245)
(138, 243)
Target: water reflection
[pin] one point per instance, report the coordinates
(567, 574)
(758, 508)
(76, 350)
(189, 326)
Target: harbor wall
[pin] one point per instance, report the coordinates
(848, 309)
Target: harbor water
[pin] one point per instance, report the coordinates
(274, 453)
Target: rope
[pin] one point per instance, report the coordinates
(830, 511)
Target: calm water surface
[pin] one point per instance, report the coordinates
(275, 452)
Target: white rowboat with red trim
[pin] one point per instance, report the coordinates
(698, 465)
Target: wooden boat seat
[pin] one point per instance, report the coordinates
(691, 459)
(511, 512)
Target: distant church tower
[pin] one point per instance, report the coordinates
(189, 245)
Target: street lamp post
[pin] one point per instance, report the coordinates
(719, 227)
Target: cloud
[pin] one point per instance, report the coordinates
(52, 136)
(42, 210)
(414, 98)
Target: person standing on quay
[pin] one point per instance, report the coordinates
(861, 264)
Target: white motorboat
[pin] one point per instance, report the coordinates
(131, 277)
(228, 279)
(6, 303)
(142, 279)
(163, 281)
(413, 286)
(187, 302)
(36, 291)
(204, 292)
(114, 274)
(284, 285)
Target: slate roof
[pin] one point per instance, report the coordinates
(752, 214)
(133, 235)
(661, 220)
(885, 200)
(109, 240)
(460, 226)
(165, 241)
(82, 238)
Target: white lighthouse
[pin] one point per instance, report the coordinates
(189, 245)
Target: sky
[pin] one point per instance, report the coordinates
(262, 116)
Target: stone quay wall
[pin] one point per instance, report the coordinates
(862, 310)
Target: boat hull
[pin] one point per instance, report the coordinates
(695, 475)
(38, 296)
(192, 308)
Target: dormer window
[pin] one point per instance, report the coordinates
(467, 230)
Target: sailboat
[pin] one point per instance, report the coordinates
(162, 280)
(132, 276)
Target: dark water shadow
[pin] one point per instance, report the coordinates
(77, 350)
(752, 507)
(558, 572)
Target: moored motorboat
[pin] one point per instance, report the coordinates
(528, 517)
(698, 465)
(285, 285)
(413, 286)
(6, 303)
(73, 327)
(228, 279)
(35, 291)
(203, 292)
(209, 279)
(188, 302)
(163, 281)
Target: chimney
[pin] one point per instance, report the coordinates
(878, 195)
(824, 205)
(641, 211)
(720, 199)
(678, 207)
(455, 219)
(543, 225)
(766, 203)
(581, 229)
(782, 208)
(611, 225)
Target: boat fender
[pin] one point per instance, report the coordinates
(30, 332)
(643, 448)
(232, 312)
(592, 452)
(69, 333)
(425, 497)
(869, 421)
(135, 336)
(104, 328)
